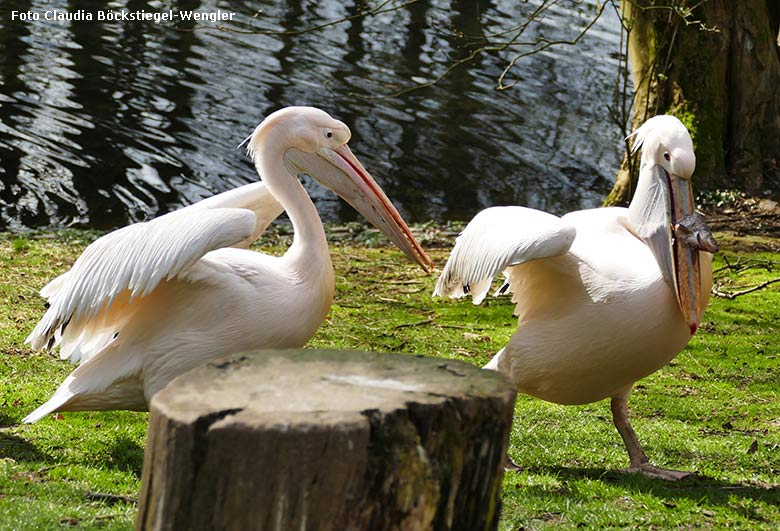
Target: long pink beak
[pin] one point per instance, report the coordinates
(377, 208)
(344, 174)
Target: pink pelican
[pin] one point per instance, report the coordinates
(150, 301)
(605, 296)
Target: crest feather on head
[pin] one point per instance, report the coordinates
(653, 127)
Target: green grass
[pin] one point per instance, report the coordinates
(715, 409)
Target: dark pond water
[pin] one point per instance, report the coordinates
(102, 123)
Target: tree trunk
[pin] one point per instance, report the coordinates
(323, 440)
(718, 70)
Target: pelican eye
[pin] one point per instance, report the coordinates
(667, 156)
(329, 134)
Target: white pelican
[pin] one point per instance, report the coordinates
(150, 301)
(604, 296)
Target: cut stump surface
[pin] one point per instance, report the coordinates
(327, 440)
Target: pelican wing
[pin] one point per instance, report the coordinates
(131, 262)
(255, 197)
(498, 238)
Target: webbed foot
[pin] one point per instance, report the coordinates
(654, 472)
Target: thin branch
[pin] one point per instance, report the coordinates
(751, 263)
(49, 467)
(110, 498)
(620, 118)
(392, 281)
(685, 13)
(520, 28)
(424, 322)
(474, 53)
(728, 265)
(501, 86)
(734, 294)
(495, 47)
(461, 327)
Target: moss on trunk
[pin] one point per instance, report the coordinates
(718, 70)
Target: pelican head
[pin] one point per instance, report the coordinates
(315, 144)
(663, 199)
(666, 143)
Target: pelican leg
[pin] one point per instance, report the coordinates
(492, 365)
(637, 458)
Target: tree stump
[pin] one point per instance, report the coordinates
(327, 440)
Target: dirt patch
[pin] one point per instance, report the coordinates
(746, 224)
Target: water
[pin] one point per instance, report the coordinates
(102, 124)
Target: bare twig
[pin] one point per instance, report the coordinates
(474, 53)
(727, 265)
(717, 292)
(424, 322)
(49, 467)
(751, 263)
(545, 44)
(736, 268)
(685, 13)
(619, 113)
(462, 327)
(392, 281)
(520, 28)
(110, 498)
(490, 46)
(740, 266)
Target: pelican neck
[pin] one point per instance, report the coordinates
(309, 233)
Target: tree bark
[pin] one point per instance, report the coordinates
(718, 70)
(322, 440)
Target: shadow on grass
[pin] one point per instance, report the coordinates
(20, 449)
(127, 455)
(701, 489)
(6, 420)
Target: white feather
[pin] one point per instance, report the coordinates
(137, 258)
(594, 311)
(495, 239)
(96, 307)
(149, 302)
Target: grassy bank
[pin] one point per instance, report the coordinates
(715, 409)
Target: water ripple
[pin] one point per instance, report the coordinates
(102, 124)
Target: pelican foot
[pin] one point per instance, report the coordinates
(654, 472)
(511, 466)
